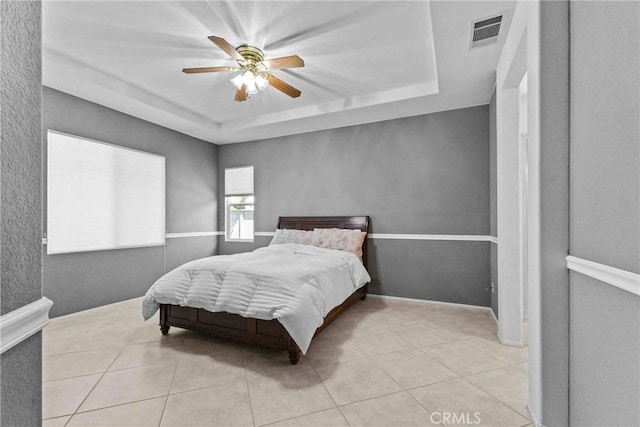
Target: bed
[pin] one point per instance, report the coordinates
(271, 333)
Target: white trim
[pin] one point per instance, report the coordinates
(508, 342)
(427, 301)
(495, 319)
(264, 233)
(622, 279)
(384, 236)
(450, 237)
(194, 234)
(23, 322)
(175, 235)
(534, 417)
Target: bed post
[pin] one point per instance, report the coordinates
(164, 321)
(294, 352)
(366, 290)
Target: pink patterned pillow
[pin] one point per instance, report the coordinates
(341, 239)
(291, 236)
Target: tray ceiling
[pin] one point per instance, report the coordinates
(365, 61)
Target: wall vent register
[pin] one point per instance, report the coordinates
(486, 31)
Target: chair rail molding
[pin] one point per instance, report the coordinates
(447, 237)
(387, 236)
(194, 234)
(622, 279)
(20, 324)
(45, 240)
(390, 236)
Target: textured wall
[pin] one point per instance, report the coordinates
(20, 207)
(605, 211)
(20, 156)
(22, 384)
(84, 280)
(493, 199)
(420, 175)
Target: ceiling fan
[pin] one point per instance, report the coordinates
(255, 76)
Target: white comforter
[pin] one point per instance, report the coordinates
(296, 284)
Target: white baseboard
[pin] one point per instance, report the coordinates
(23, 322)
(495, 318)
(507, 342)
(534, 417)
(426, 301)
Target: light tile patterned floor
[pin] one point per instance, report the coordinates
(383, 362)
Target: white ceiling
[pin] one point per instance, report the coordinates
(365, 61)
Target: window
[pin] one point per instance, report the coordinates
(101, 196)
(239, 204)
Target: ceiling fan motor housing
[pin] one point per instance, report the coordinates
(250, 53)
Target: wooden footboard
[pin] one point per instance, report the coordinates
(269, 333)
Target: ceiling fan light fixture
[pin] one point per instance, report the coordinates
(262, 82)
(237, 81)
(254, 83)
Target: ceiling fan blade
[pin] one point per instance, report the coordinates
(208, 70)
(293, 61)
(224, 45)
(241, 94)
(282, 86)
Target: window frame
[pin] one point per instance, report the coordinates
(227, 218)
(228, 204)
(53, 232)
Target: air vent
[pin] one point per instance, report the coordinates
(485, 31)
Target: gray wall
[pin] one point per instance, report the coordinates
(20, 207)
(554, 211)
(420, 175)
(493, 199)
(84, 280)
(605, 211)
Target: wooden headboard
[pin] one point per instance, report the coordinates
(310, 222)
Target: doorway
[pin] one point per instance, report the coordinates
(518, 210)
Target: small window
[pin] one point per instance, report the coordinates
(239, 204)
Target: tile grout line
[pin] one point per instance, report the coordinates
(166, 400)
(496, 397)
(299, 416)
(329, 393)
(95, 385)
(479, 350)
(372, 398)
(246, 382)
(73, 352)
(112, 406)
(423, 407)
(499, 360)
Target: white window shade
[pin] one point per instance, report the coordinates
(238, 181)
(101, 196)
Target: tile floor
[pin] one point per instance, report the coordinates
(382, 363)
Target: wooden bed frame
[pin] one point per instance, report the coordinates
(268, 333)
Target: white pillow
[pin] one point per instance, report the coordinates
(291, 236)
(341, 239)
